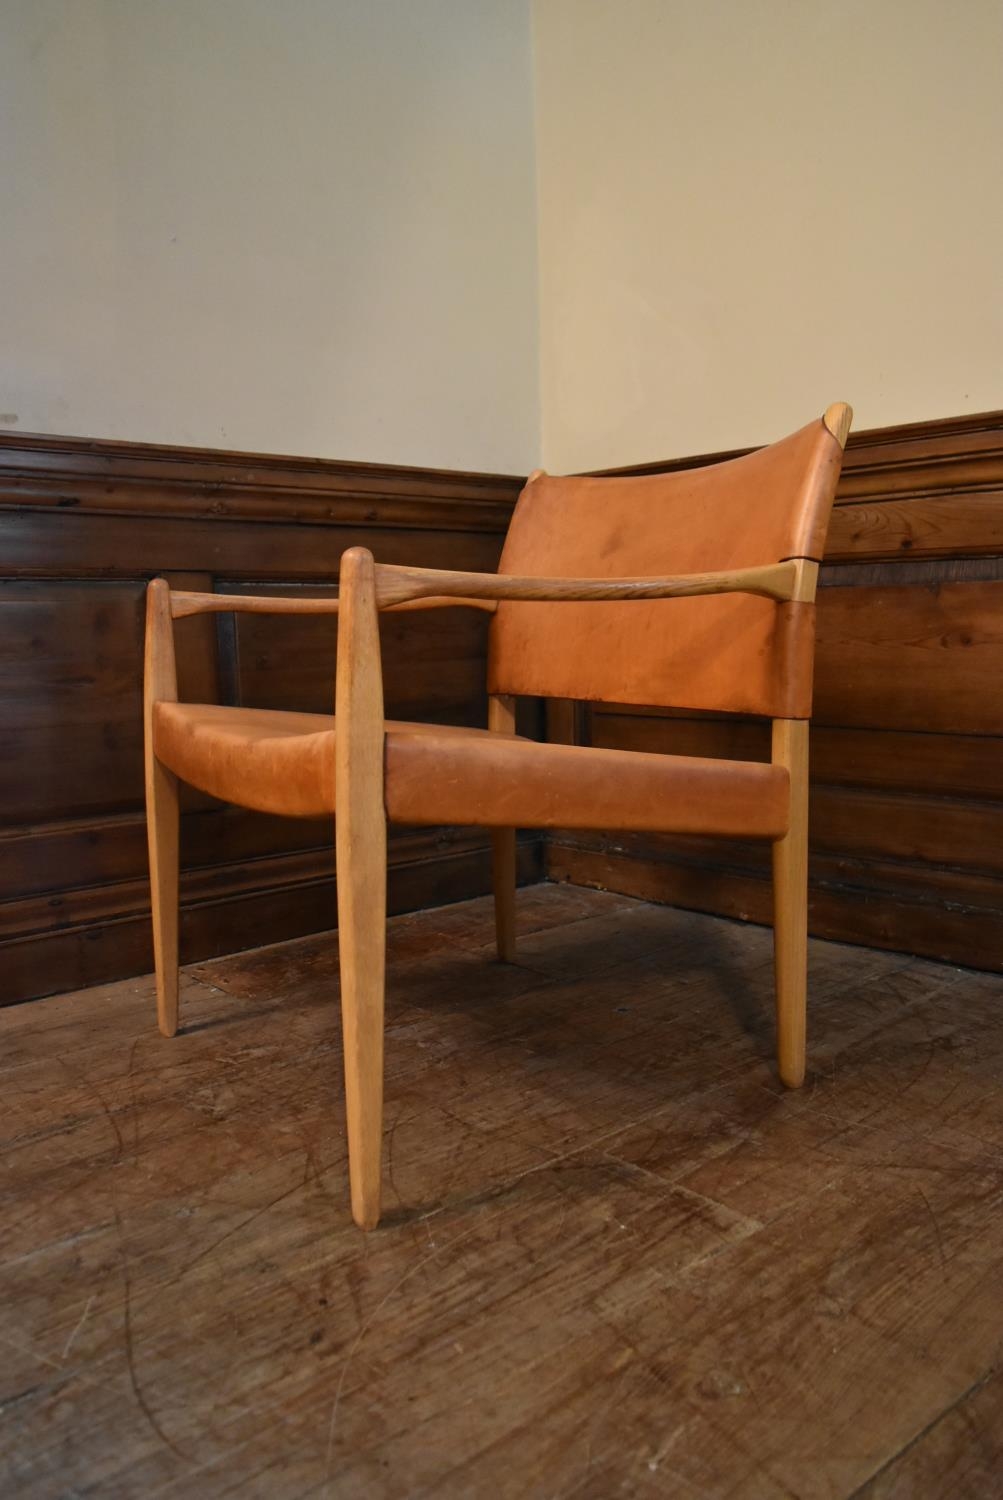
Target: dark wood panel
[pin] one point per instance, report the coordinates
(909, 664)
(83, 526)
(942, 764)
(86, 936)
(851, 905)
(71, 687)
(961, 525)
(907, 743)
(961, 832)
(849, 823)
(921, 658)
(435, 662)
(68, 544)
(959, 889)
(660, 733)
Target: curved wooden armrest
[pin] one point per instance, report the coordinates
(183, 603)
(400, 589)
(794, 579)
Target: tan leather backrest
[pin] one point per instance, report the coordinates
(733, 653)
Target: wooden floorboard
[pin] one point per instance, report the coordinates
(959, 1455)
(617, 1258)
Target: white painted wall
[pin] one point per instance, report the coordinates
(750, 208)
(304, 226)
(310, 226)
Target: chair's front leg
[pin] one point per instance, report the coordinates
(790, 904)
(361, 850)
(501, 719)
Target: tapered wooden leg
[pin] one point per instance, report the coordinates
(790, 904)
(362, 910)
(162, 838)
(160, 685)
(361, 847)
(501, 719)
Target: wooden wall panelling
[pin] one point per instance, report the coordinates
(70, 698)
(907, 778)
(83, 525)
(907, 742)
(902, 654)
(435, 660)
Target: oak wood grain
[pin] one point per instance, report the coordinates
(160, 682)
(793, 580)
(501, 719)
(790, 903)
(361, 849)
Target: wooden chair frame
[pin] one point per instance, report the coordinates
(366, 588)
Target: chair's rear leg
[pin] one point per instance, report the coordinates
(503, 879)
(501, 719)
(162, 837)
(790, 904)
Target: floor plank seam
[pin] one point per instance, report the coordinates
(860, 1493)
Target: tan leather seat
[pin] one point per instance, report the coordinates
(284, 763)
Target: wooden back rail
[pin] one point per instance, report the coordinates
(401, 589)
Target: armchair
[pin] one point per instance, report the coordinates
(604, 594)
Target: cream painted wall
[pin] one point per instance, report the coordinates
(749, 208)
(310, 226)
(304, 226)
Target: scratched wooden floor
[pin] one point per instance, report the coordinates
(617, 1261)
